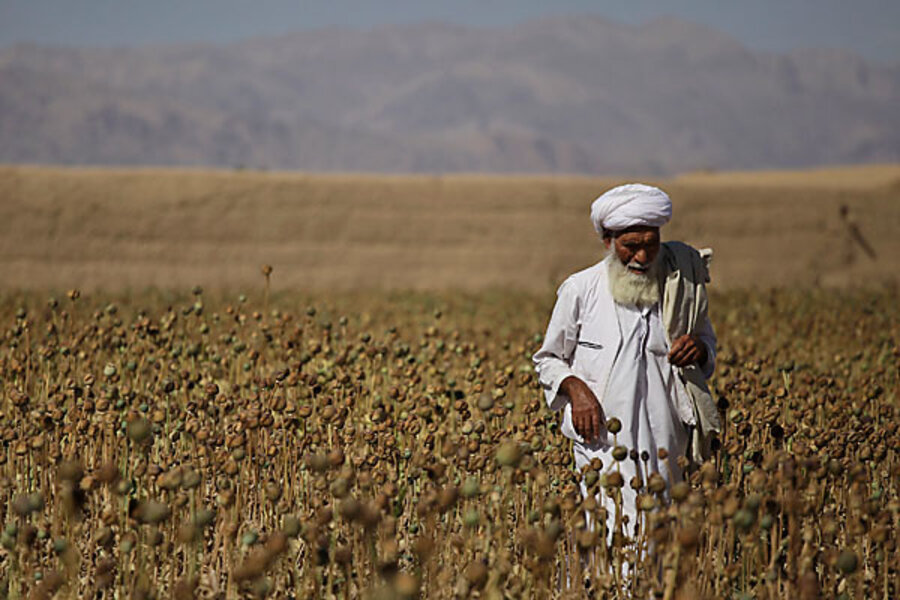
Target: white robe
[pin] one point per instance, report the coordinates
(621, 353)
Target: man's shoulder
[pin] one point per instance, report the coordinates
(684, 257)
(676, 246)
(585, 279)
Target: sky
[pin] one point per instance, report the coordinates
(870, 28)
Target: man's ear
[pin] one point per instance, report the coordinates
(606, 241)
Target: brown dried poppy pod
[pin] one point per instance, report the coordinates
(423, 547)
(689, 536)
(406, 586)
(108, 473)
(155, 538)
(447, 498)
(509, 454)
(18, 398)
(476, 574)
(170, 480)
(105, 537)
(340, 487)
(291, 526)
(25, 504)
(48, 586)
(273, 491)
(586, 540)
(343, 555)
(744, 520)
(151, 512)
(318, 463)
(708, 473)
(190, 479)
(809, 586)
(646, 502)
(730, 507)
(350, 508)
(71, 471)
(186, 588)
(614, 480)
(680, 491)
(139, 430)
(656, 483)
(336, 457)
(252, 568)
(266, 270)
(203, 517)
(847, 562)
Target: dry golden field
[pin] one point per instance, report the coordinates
(137, 228)
(373, 427)
(397, 446)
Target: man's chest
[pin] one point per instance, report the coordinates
(616, 326)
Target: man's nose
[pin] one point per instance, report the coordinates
(641, 257)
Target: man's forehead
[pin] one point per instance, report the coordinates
(639, 233)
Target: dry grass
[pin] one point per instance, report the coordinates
(130, 229)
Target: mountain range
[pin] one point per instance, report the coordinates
(562, 95)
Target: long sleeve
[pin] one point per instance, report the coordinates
(554, 359)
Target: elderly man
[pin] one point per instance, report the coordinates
(630, 339)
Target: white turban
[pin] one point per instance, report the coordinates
(630, 205)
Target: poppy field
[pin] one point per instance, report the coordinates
(396, 445)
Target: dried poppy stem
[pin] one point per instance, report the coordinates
(267, 273)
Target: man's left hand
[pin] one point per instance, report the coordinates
(686, 350)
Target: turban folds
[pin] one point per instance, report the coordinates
(630, 205)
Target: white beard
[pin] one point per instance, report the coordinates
(627, 288)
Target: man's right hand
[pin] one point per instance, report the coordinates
(587, 416)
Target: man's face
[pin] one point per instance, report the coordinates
(636, 247)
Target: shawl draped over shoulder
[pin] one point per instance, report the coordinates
(684, 275)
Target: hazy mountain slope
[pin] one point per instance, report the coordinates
(554, 95)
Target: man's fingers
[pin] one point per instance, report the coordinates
(595, 425)
(684, 351)
(587, 423)
(677, 345)
(586, 413)
(682, 360)
(692, 354)
(680, 357)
